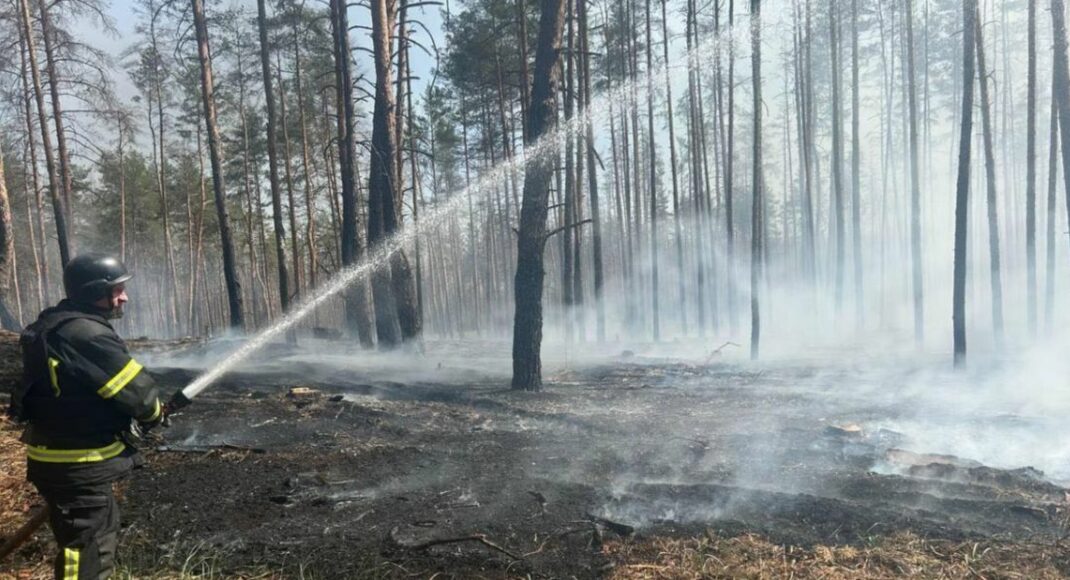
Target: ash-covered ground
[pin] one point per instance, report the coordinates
(330, 463)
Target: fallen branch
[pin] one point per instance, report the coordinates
(480, 538)
(718, 350)
(623, 530)
(207, 448)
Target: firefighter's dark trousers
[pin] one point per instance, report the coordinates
(85, 522)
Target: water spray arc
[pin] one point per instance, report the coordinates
(596, 113)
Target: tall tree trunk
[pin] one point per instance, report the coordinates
(757, 226)
(990, 179)
(592, 177)
(215, 146)
(291, 203)
(7, 252)
(652, 145)
(568, 95)
(59, 207)
(525, 77)
(383, 172)
(962, 189)
(306, 162)
(531, 236)
(358, 313)
(1061, 89)
(1053, 170)
(729, 171)
(40, 255)
(915, 177)
(837, 152)
(161, 182)
(856, 170)
(66, 183)
(273, 158)
(682, 294)
(1031, 173)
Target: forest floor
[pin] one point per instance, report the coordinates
(626, 467)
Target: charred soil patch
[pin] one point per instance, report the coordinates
(626, 469)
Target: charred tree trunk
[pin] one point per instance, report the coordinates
(962, 189)
(383, 175)
(230, 267)
(531, 236)
(358, 314)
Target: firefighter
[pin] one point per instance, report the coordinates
(86, 400)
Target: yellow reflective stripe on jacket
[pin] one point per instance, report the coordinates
(155, 412)
(70, 564)
(52, 364)
(46, 455)
(120, 380)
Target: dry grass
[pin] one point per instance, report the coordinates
(901, 555)
(17, 499)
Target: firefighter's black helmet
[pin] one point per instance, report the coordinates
(90, 277)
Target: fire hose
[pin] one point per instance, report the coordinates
(177, 402)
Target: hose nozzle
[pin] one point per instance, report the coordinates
(178, 402)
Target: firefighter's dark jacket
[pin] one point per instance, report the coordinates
(81, 388)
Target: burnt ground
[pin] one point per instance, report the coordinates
(416, 467)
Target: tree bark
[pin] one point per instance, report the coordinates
(531, 236)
